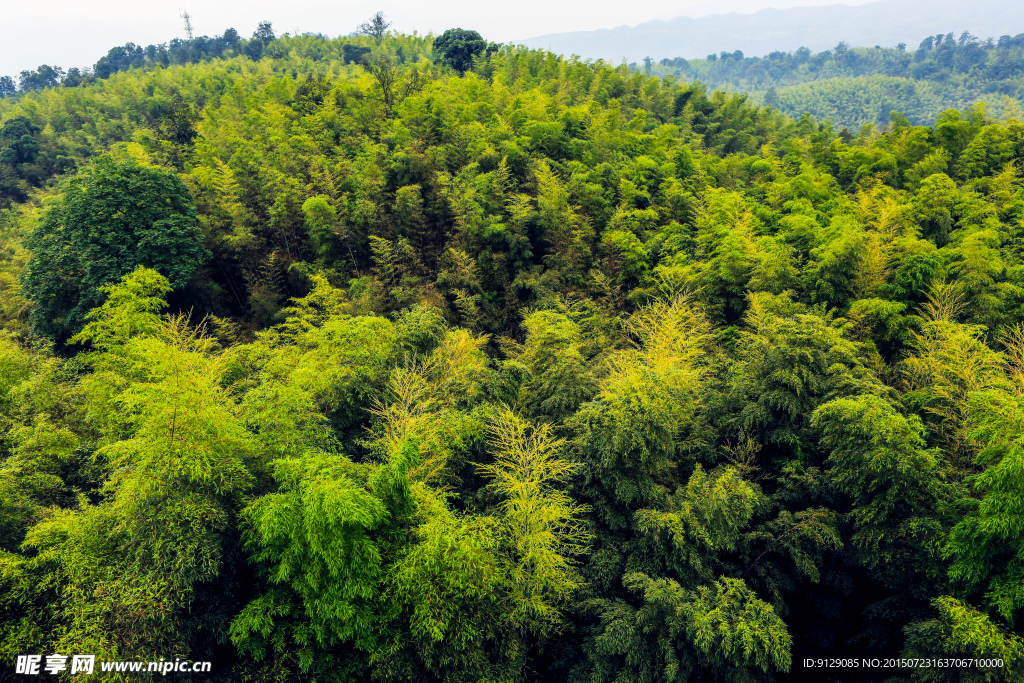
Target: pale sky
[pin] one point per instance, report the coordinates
(70, 33)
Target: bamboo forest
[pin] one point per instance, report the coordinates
(403, 357)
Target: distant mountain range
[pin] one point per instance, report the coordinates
(886, 23)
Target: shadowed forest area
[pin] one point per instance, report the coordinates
(397, 357)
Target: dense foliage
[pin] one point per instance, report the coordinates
(854, 86)
(544, 371)
(110, 219)
(458, 48)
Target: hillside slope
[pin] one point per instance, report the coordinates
(857, 86)
(512, 368)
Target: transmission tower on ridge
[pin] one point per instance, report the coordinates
(188, 24)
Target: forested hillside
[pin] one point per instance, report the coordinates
(759, 29)
(856, 86)
(403, 358)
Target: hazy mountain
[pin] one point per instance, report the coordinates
(885, 23)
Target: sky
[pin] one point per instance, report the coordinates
(70, 33)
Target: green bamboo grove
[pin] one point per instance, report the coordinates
(381, 359)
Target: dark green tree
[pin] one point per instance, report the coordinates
(353, 54)
(18, 144)
(457, 47)
(264, 32)
(114, 216)
(260, 39)
(231, 38)
(45, 76)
